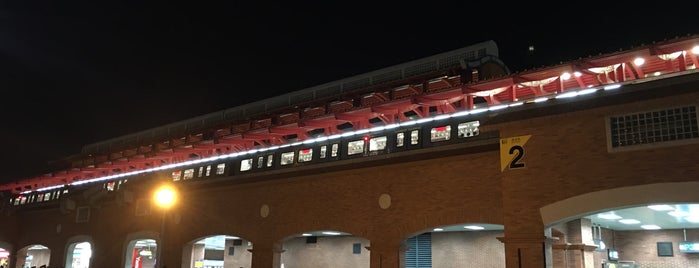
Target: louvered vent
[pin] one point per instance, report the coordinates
(654, 127)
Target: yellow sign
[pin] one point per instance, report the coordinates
(512, 152)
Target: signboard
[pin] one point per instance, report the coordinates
(512, 152)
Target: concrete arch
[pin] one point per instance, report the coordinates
(427, 222)
(571, 208)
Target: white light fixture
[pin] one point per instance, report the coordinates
(639, 61)
(331, 233)
(629, 221)
(678, 213)
(650, 227)
(609, 216)
(661, 207)
(306, 234)
(474, 227)
(437, 229)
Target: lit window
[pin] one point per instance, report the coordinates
(287, 158)
(414, 137)
(442, 133)
(189, 174)
(201, 172)
(468, 129)
(176, 175)
(260, 161)
(305, 155)
(220, 168)
(110, 186)
(270, 160)
(377, 144)
(246, 164)
(333, 152)
(355, 147)
(323, 151)
(400, 137)
(208, 170)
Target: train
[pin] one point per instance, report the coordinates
(415, 134)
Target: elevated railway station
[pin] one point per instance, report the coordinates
(452, 160)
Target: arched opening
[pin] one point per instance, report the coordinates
(4, 257)
(79, 255)
(324, 248)
(639, 226)
(458, 245)
(33, 255)
(141, 253)
(218, 251)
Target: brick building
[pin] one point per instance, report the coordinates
(391, 169)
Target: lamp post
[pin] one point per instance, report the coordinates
(164, 197)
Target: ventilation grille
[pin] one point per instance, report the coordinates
(82, 215)
(676, 124)
(142, 207)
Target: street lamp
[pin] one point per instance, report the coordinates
(164, 197)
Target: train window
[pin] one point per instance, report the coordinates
(333, 152)
(442, 133)
(287, 158)
(176, 175)
(399, 139)
(47, 196)
(323, 151)
(355, 147)
(305, 155)
(468, 129)
(246, 164)
(414, 137)
(377, 143)
(270, 160)
(201, 172)
(260, 161)
(208, 170)
(189, 174)
(110, 186)
(40, 197)
(220, 168)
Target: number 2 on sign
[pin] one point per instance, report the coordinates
(515, 162)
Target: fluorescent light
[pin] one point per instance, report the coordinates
(650, 227)
(474, 227)
(661, 207)
(629, 221)
(331, 233)
(678, 213)
(306, 234)
(609, 216)
(437, 229)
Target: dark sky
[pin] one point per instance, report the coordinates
(78, 72)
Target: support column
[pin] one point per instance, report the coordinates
(266, 256)
(524, 251)
(386, 256)
(580, 246)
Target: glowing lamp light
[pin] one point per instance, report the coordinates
(145, 253)
(639, 61)
(165, 197)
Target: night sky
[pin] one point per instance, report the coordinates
(74, 73)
